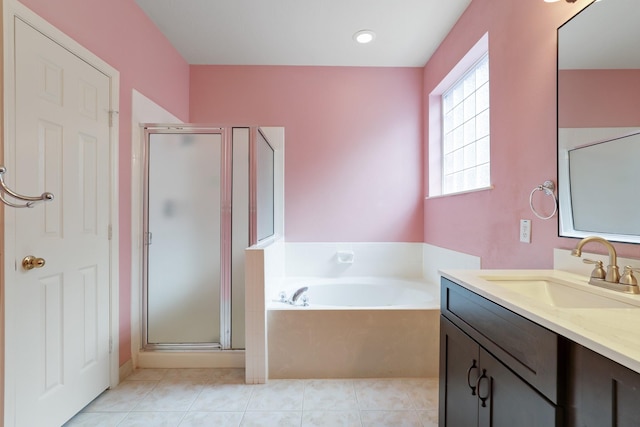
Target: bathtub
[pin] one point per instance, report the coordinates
(357, 327)
(361, 293)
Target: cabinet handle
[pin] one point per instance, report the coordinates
(480, 378)
(472, 387)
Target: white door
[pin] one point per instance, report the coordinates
(57, 325)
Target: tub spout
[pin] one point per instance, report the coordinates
(297, 294)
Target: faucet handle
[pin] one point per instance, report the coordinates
(598, 271)
(627, 277)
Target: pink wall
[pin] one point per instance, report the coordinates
(598, 98)
(522, 50)
(119, 33)
(354, 154)
(353, 166)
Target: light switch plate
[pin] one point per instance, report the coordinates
(525, 230)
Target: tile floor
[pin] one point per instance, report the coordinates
(219, 397)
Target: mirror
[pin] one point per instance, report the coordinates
(265, 191)
(599, 122)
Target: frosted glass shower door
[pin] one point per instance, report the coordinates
(185, 190)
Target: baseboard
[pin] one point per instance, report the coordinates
(125, 370)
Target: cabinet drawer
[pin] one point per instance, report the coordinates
(528, 349)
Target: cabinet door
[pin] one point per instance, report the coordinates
(602, 393)
(505, 400)
(459, 366)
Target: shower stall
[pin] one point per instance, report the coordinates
(208, 195)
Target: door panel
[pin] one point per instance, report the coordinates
(512, 402)
(459, 370)
(58, 315)
(49, 138)
(184, 256)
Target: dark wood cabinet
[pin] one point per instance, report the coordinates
(459, 373)
(512, 401)
(476, 389)
(500, 369)
(496, 368)
(602, 393)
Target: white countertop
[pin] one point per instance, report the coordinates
(612, 332)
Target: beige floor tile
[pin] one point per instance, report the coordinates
(96, 419)
(429, 418)
(271, 419)
(212, 419)
(223, 397)
(329, 395)
(277, 395)
(219, 397)
(228, 376)
(422, 391)
(331, 419)
(384, 394)
(152, 419)
(176, 395)
(390, 419)
(122, 398)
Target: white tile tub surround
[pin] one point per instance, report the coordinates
(402, 260)
(369, 259)
(435, 258)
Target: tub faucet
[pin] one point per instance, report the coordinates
(297, 294)
(613, 273)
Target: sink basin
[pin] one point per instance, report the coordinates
(557, 293)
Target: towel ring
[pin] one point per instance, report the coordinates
(548, 187)
(30, 200)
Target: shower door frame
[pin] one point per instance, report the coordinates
(225, 233)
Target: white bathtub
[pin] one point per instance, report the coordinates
(357, 327)
(360, 293)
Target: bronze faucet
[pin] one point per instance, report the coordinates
(610, 279)
(613, 273)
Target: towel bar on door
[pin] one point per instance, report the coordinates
(30, 201)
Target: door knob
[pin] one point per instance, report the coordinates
(30, 262)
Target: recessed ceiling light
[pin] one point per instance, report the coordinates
(364, 36)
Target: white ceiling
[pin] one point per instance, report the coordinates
(304, 32)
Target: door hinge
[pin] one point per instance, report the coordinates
(110, 345)
(147, 238)
(112, 113)
(110, 231)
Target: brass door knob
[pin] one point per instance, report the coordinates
(30, 262)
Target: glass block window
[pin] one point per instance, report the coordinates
(465, 131)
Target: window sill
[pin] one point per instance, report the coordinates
(475, 190)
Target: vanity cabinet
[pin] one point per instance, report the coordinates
(602, 393)
(480, 391)
(496, 367)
